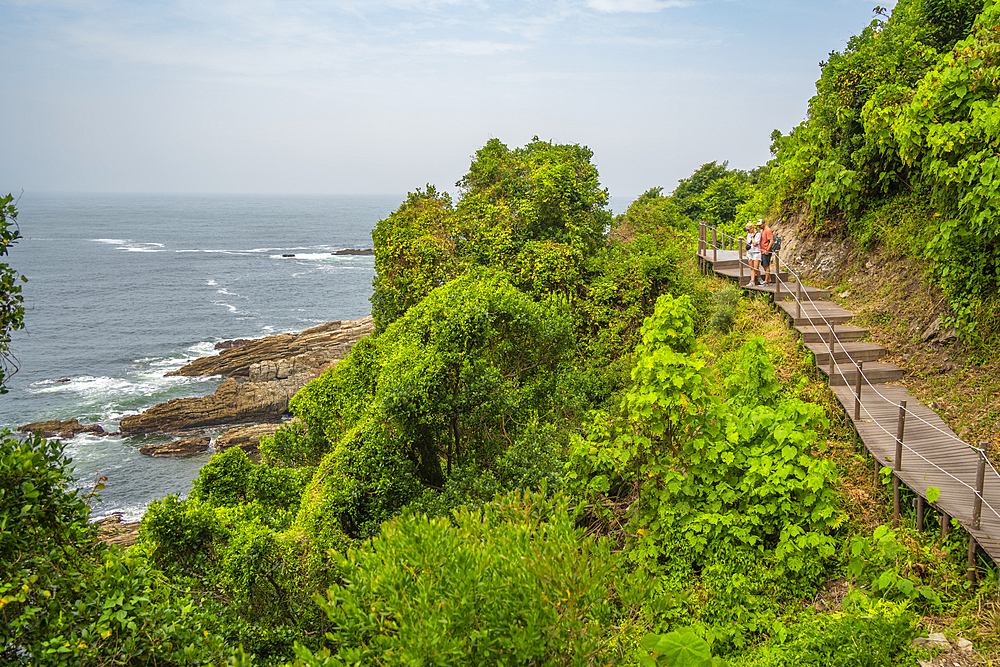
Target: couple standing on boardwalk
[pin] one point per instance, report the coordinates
(760, 242)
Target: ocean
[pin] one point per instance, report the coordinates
(123, 288)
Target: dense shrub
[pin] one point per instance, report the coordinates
(66, 598)
(513, 583)
(453, 381)
(903, 129)
(707, 477)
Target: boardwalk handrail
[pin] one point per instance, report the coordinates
(977, 492)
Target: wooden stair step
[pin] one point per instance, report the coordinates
(845, 333)
(723, 263)
(809, 293)
(788, 290)
(875, 372)
(734, 273)
(844, 351)
(816, 312)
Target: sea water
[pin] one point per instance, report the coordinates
(123, 288)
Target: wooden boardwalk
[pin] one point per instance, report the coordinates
(931, 455)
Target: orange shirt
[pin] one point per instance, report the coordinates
(766, 239)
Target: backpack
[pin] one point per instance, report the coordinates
(776, 244)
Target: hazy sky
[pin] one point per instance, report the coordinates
(382, 96)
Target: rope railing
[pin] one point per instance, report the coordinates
(977, 491)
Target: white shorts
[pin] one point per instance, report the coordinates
(753, 255)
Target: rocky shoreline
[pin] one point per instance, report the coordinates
(261, 375)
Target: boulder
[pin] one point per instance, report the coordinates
(113, 531)
(66, 428)
(246, 438)
(178, 448)
(226, 344)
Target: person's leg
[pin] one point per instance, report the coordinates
(765, 261)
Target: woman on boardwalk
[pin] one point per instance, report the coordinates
(753, 252)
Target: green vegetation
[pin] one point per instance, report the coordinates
(901, 148)
(561, 446)
(11, 303)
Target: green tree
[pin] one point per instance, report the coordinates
(688, 193)
(11, 300)
(537, 212)
(447, 388)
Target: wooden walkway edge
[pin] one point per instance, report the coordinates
(930, 455)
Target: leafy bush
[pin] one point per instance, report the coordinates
(706, 477)
(65, 598)
(725, 304)
(449, 385)
(536, 212)
(513, 583)
(900, 147)
(867, 633)
(886, 566)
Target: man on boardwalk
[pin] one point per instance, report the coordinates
(766, 241)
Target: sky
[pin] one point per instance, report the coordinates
(384, 96)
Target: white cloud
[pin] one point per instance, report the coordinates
(635, 6)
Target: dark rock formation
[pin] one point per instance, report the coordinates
(226, 344)
(232, 403)
(354, 251)
(66, 428)
(178, 448)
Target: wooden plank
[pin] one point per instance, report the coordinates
(875, 372)
(734, 274)
(814, 315)
(808, 292)
(844, 350)
(845, 333)
(788, 290)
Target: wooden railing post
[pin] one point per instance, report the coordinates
(920, 514)
(945, 525)
(715, 247)
(977, 503)
(798, 297)
(857, 391)
(833, 364)
(897, 463)
(970, 566)
(741, 262)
